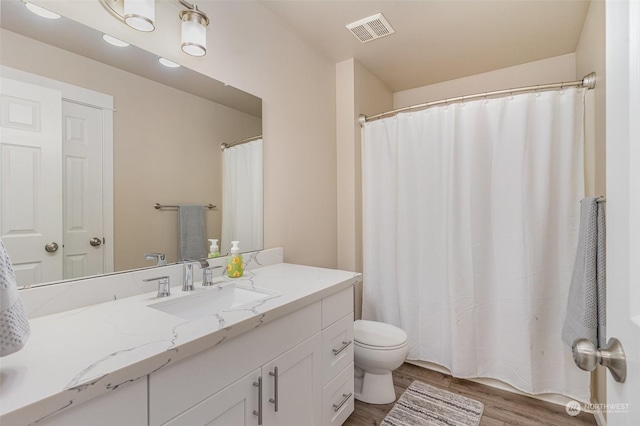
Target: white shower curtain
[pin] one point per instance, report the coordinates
(242, 206)
(471, 214)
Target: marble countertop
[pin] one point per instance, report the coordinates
(76, 355)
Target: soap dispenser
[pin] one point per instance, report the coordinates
(234, 266)
(214, 251)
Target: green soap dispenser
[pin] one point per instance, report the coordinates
(214, 251)
(234, 265)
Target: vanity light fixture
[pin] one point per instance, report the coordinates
(194, 31)
(114, 41)
(168, 63)
(41, 11)
(140, 14)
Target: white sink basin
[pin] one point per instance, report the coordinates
(207, 302)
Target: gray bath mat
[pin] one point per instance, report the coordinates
(425, 405)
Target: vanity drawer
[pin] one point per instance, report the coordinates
(337, 348)
(336, 306)
(337, 398)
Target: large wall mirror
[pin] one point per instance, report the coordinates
(167, 128)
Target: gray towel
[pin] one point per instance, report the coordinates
(14, 326)
(191, 234)
(586, 314)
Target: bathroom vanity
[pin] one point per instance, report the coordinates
(284, 357)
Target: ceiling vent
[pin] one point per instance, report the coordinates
(371, 28)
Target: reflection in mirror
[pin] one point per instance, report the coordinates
(242, 194)
(167, 128)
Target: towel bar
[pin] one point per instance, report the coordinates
(159, 206)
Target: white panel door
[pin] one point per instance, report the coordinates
(299, 378)
(623, 204)
(82, 135)
(31, 179)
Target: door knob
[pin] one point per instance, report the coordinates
(51, 247)
(95, 241)
(587, 357)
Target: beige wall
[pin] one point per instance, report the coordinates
(346, 165)
(249, 48)
(590, 56)
(552, 70)
(358, 91)
(154, 132)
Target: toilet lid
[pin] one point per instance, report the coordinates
(373, 333)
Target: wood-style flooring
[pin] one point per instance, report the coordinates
(501, 408)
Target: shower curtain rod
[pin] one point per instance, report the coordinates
(588, 81)
(229, 145)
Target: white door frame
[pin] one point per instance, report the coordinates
(623, 203)
(94, 99)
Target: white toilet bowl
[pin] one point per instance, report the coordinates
(379, 349)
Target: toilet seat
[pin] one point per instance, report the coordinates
(378, 336)
(379, 348)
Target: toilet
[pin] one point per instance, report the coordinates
(379, 349)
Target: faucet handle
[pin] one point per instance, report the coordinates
(207, 275)
(202, 262)
(164, 288)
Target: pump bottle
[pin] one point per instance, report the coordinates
(234, 266)
(214, 251)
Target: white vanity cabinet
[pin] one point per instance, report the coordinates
(252, 399)
(126, 405)
(289, 362)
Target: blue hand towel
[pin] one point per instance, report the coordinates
(586, 314)
(191, 232)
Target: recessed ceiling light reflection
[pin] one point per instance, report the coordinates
(41, 11)
(168, 63)
(116, 42)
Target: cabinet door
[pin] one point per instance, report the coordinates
(233, 405)
(299, 386)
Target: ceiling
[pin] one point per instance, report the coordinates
(434, 40)
(438, 40)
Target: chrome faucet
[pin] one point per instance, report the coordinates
(207, 275)
(187, 283)
(161, 258)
